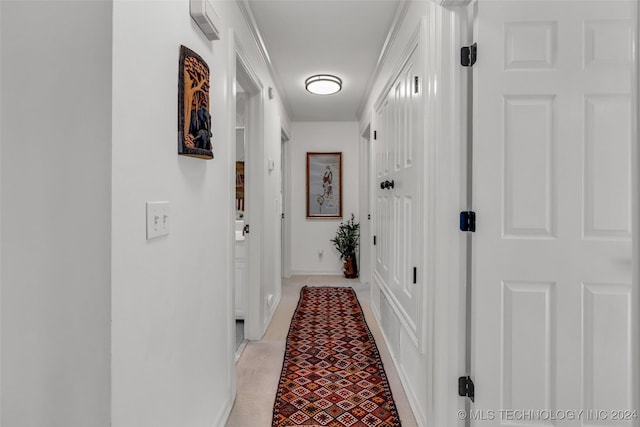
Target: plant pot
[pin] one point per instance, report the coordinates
(350, 267)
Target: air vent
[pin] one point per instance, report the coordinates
(202, 12)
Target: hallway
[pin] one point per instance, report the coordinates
(259, 366)
(121, 270)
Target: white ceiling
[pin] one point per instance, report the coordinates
(339, 37)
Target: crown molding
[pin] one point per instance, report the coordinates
(401, 12)
(247, 14)
(451, 4)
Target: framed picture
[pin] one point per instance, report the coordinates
(194, 111)
(324, 185)
(239, 186)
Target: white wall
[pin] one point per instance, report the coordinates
(271, 223)
(309, 235)
(169, 294)
(172, 313)
(56, 210)
(101, 327)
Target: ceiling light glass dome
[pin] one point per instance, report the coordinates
(323, 84)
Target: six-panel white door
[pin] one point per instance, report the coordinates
(552, 293)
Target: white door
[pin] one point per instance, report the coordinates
(397, 249)
(553, 300)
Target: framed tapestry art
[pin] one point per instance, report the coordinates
(324, 185)
(194, 117)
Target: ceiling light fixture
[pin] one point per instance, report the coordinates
(323, 84)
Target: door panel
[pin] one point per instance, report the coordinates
(397, 231)
(552, 191)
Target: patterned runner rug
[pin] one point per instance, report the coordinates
(332, 373)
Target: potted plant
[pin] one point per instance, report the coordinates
(346, 242)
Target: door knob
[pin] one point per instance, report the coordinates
(387, 184)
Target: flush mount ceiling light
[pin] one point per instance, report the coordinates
(323, 84)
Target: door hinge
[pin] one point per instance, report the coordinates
(468, 221)
(416, 87)
(282, 215)
(375, 134)
(415, 275)
(369, 217)
(468, 55)
(374, 240)
(245, 229)
(466, 388)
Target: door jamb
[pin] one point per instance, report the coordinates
(231, 247)
(635, 210)
(254, 148)
(446, 135)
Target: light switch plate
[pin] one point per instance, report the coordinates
(157, 219)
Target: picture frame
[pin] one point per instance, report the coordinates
(239, 186)
(194, 107)
(324, 185)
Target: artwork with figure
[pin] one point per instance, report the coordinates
(324, 185)
(194, 117)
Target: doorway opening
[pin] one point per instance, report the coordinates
(248, 205)
(240, 210)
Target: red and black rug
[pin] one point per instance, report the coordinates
(332, 373)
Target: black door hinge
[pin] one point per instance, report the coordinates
(468, 221)
(369, 217)
(416, 87)
(245, 229)
(375, 134)
(282, 215)
(468, 55)
(415, 275)
(374, 240)
(466, 388)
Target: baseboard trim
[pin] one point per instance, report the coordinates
(274, 307)
(316, 272)
(418, 413)
(226, 411)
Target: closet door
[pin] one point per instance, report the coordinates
(397, 249)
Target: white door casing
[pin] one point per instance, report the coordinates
(366, 234)
(285, 203)
(553, 295)
(254, 200)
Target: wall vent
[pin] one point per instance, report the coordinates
(207, 19)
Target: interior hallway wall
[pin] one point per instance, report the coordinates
(170, 306)
(173, 356)
(56, 212)
(101, 327)
(308, 236)
(271, 222)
